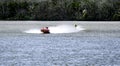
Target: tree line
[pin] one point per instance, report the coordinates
(80, 10)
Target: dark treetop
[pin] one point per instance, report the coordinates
(95, 10)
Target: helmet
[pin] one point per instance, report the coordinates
(75, 25)
(47, 27)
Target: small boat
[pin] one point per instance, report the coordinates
(45, 30)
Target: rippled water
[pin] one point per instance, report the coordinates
(90, 47)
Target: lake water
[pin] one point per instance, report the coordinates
(97, 45)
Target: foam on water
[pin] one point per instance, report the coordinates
(33, 31)
(65, 29)
(58, 29)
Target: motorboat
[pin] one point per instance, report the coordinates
(45, 30)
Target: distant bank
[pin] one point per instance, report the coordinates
(60, 10)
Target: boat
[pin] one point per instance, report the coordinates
(45, 30)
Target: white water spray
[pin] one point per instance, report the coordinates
(33, 31)
(58, 29)
(65, 29)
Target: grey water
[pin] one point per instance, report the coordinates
(97, 45)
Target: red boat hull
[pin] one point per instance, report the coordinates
(45, 31)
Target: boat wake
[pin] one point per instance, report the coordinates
(33, 31)
(59, 29)
(65, 29)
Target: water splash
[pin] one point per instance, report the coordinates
(58, 29)
(65, 29)
(33, 31)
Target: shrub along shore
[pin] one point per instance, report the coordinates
(79, 10)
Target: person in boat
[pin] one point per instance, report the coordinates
(46, 27)
(45, 30)
(75, 25)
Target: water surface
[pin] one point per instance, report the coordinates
(98, 45)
